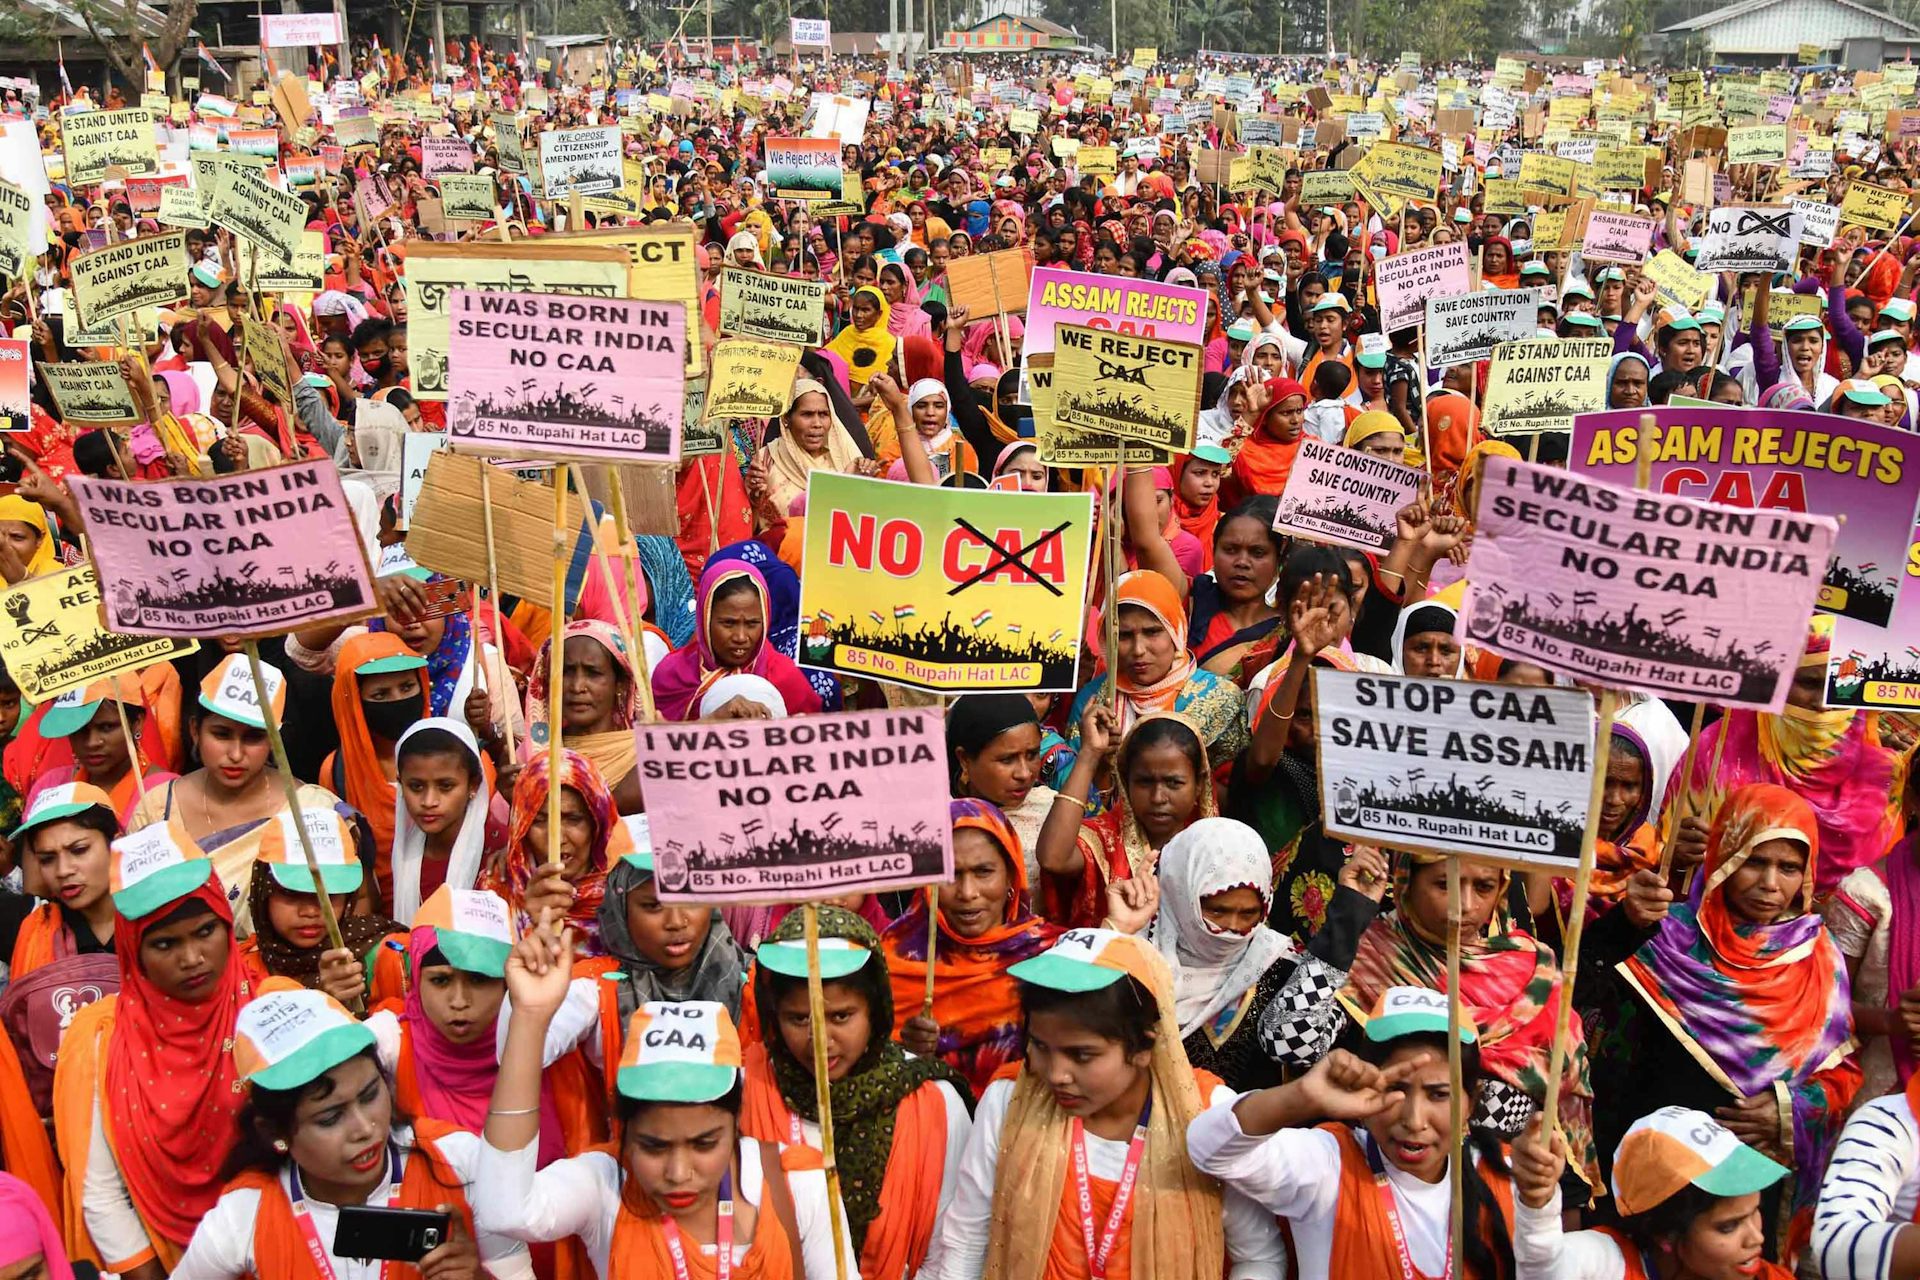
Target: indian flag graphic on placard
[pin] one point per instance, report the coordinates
(902, 611)
(983, 617)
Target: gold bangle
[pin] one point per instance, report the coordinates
(1061, 795)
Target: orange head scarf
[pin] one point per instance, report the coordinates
(172, 1091)
(1149, 590)
(1265, 461)
(368, 789)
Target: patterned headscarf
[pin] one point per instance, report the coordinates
(1509, 985)
(516, 868)
(1757, 1003)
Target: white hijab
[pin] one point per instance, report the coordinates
(1213, 969)
(410, 842)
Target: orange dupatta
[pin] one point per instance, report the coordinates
(368, 789)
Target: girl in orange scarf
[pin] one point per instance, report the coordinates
(899, 1121)
(146, 1094)
(1266, 457)
(986, 925)
(378, 692)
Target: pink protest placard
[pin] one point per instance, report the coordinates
(1340, 495)
(1138, 308)
(444, 155)
(1800, 462)
(812, 807)
(1873, 666)
(1617, 237)
(1639, 590)
(601, 379)
(1407, 280)
(251, 554)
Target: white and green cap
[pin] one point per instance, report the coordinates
(288, 1036)
(282, 854)
(153, 867)
(838, 958)
(640, 831)
(684, 1052)
(1677, 1146)
(1412, 1011)
(1085, 960)
(473, 928)
(228, 691)
(73, 710)
(51, 804)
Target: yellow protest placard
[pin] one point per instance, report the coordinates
(1540, 384)
(1876, 208)
(1542, 172)
(1506, 197)
(1620, 168)
(122, 278)
(779, 308)
(663, 266)
(1144, 58)
(1326, 186)
(1550, 231)
(1757, 144)
(95, 141)
(57, 642)
(1098, 162)
(1115, 384)
(750, 379)
(901, 584)
(1677, 281)
(1396, 169)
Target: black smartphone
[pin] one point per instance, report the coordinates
(397, 1235)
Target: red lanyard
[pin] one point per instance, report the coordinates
(1122, 1194)
(1392, 1210)
(722, 1235)
(322, 1261)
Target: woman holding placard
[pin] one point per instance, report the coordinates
(1162, 785)
(1750, 996)
(224, 805)
(986, 925)
(900, 1122)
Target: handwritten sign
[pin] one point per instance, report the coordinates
(944, 589)
(254, 553)
(1641, 590)
(1344, 496)
(1487, 771)
(598, 379)
(786, 810)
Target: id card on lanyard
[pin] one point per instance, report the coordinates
(722, 1236)
(1099, 1254)
(1391, 1208)
(322, 1261)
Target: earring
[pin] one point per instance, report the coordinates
(280, 1146)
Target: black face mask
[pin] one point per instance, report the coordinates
(389, 720)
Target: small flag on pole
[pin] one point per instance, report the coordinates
(146, 55)
(902, 611)
(983, 617)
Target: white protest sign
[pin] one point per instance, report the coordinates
(1456, 767)
(415, 448)
(1749, 238)
(1819, 221)
(582, 160)
(297, 30)
(810, 31)
(1469, 326)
